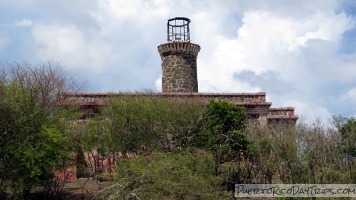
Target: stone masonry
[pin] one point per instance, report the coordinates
(179, 67)
(257, 108)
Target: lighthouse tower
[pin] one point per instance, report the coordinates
(179, 58)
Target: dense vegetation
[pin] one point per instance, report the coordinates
(180, 148)
(33, 144)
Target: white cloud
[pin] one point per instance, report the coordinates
(138, 9)
(302, 51)
(158, 83)
(343, 68)
(70, 46)
(290, 49)
(350, 95)
(309, 112)
(265, 41)
(18, 23)
(23, 23)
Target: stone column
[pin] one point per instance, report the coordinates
(179, 66)
(263, 120)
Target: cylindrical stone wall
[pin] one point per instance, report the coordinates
(179, 66)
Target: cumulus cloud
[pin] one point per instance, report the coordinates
(69, 45)
(270, 81)
(350, 95)
(290, 58)
(308, 111)
(292, 50)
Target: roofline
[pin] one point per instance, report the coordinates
(282, 109)
(271, 117)
(159, 94)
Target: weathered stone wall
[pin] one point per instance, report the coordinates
(255, 103)
(179, 67)
(287, 111)
(246, 99)
(179, 73)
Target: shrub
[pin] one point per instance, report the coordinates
(186, 174)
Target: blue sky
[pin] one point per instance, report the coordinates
(302, 53)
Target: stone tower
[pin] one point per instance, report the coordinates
(179, 58)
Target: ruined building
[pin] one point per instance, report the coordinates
(179, 80)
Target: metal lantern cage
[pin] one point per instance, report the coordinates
(178, 29)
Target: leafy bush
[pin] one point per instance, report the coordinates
(32, 143)
(170, 175)
(130, 123)
(222, 131)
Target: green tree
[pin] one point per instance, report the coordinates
(130, 123)
(32, 144)
(347, 129)
(222, 131)
(272, 153)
